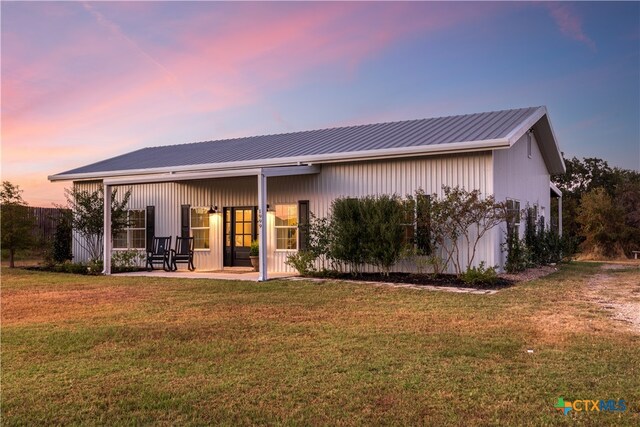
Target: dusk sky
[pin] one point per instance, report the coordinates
(84, 81)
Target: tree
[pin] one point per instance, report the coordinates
(628, 198)
(463, 217)
(602, 223)
(17, 221)
(584, 176)
(88, 217)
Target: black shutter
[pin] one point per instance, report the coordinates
(423, 224)
(151, 226)
(184, 220)
(303, 224)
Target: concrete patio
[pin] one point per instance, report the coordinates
(229, 273)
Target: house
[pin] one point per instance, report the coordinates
(218, 191)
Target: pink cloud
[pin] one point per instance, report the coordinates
(569, 23)
(103, 89)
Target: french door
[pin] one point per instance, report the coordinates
(239, 231)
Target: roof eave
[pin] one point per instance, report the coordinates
(540, 122)
(455, 147)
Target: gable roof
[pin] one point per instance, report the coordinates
(490, 130)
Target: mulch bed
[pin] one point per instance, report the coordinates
(422, 280)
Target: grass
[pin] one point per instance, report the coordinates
(123, 350)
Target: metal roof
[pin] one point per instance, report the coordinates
(411, 137)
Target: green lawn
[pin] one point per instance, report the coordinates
(121, 350)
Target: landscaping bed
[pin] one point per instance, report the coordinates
(420, 279)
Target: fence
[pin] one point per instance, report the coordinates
(46, 221)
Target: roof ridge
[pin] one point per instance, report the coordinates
(335, 127)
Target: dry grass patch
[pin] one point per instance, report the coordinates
(124, 350)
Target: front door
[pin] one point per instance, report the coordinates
(239, 232)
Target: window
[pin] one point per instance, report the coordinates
(513, 216)
(200, 227)
(529, 144)
(134, 236)
(287, 226)
(409, 234)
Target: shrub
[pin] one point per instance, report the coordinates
(480, 275)
(302, 261)
(349, 231)
(319, 237)
(254, 250)
(384, 224)
(517, 258)
(129, 260)
(61, 248)
(369, 230)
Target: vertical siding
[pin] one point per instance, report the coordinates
(356, 179)
(521, 178)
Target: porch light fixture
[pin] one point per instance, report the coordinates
(212, 210)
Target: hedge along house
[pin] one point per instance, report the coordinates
(219, 191)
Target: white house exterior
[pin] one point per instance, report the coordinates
(509, 154)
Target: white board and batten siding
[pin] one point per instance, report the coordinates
(520, 173)
(473, 170)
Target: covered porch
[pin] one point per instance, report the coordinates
(245, 192)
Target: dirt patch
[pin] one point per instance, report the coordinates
(530, 274)
(617, 266)
(618, 295)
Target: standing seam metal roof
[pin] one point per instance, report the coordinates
(410, 133)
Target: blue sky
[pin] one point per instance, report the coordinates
(86, 81)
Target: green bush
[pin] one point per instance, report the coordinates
(70, 267)
(129, 260)
(302, 261)
(61, 248)
(368, 230)
(517, 257)
(349, 231)
(254, 250)
(384, 218)
(480, 275)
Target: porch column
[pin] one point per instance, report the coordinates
(560, 216)
(106, 238)
(262, 226)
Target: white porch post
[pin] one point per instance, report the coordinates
(262, 226)
(106, 238)
(560, 216)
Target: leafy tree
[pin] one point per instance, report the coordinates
(602, 223)
(628, 198)
(463, 217)
(88, 217)
(584, 176)
(17, 221)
